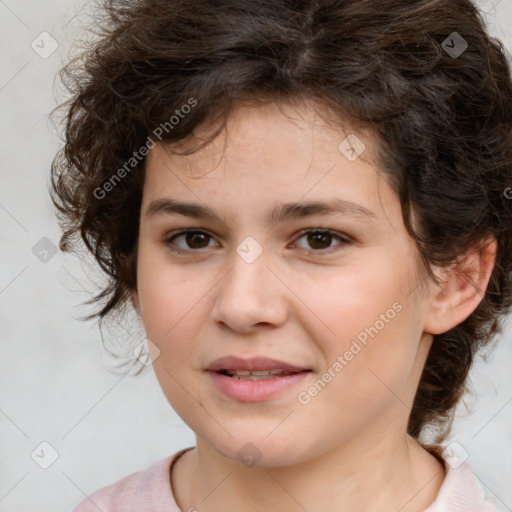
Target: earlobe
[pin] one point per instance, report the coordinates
(461, 289)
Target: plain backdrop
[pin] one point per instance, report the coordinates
(61, 403)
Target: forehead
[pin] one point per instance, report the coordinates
(267, 154)
(295, 130)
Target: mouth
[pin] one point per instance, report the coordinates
(256, 366)
(257, 375)
(255, 379)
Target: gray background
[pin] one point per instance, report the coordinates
(55, 382)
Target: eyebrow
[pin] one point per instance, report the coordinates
(168, 206)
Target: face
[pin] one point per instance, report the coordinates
(330, 287)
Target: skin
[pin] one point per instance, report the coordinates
(347, 449)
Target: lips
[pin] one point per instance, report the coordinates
(230, 364)
(255, 379)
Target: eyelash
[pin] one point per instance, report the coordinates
(343, 239)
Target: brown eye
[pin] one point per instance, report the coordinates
(193, 240)
(321, 240)
(196, 239)
(317, 241)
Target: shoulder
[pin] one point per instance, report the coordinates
(143, 490)
(461, 491)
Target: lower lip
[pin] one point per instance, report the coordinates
(255, 390)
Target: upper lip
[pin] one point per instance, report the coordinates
(252, 363)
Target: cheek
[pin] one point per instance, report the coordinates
(361, 382)
(341, 302)
(164, 292)
(176, 303)
(364, 316)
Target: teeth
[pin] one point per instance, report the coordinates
(254, 377)
(257, 374)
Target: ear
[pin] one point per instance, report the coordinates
(461, 289)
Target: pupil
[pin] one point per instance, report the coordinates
(317, 237)
(193, 238)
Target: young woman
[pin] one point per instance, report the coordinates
(308, 203)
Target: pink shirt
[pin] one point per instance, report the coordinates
(150, 491)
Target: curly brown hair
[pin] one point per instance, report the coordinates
(423, 75)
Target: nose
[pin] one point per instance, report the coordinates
(250, 297)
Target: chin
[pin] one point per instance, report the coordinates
(250, 448)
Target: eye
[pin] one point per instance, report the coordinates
(193, 238)
(321, 239)
(318, 239)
